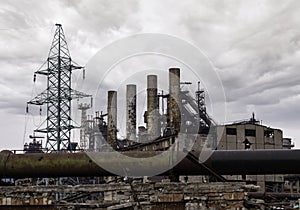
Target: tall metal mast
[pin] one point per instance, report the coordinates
(58, 94)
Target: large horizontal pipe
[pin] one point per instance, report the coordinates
(80, 164)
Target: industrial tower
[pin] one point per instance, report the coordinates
(58, 94)
(200, 99)
(84, 125)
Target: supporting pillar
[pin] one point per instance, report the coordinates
(112, 119)
(174, 99)
(152, 107)
(131, 112)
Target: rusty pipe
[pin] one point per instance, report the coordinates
(81, 165)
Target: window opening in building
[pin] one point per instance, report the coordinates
(250, 132)
(231, 131)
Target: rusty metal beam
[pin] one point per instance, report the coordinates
(80, 164)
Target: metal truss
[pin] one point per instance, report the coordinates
(58, 94)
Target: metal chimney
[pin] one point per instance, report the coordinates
(112, 119)
(131, 112)
(152, 107)
(174, 101)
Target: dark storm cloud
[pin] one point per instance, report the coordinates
(254, 46)
(26, 30)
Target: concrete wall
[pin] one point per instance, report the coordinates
(259, 140)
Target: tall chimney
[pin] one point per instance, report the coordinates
(152, 107)
(112, 119)
(174, 99)
(131, 112)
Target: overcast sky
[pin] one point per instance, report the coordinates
(253, 45)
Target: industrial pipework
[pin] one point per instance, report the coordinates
(81, 165)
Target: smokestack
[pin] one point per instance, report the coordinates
(131, 112)
(152, 107)
(112, 119)
(174, 99)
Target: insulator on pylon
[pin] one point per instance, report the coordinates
(83, 73)
(58, 94)
(91, 102)
(27, 109)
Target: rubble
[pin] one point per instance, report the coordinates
(159, 195)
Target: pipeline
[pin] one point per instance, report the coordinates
(81, 165)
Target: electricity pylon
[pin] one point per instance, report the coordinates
(58, 94)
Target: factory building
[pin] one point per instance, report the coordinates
(176, 120)
(249, 134)
(253, 135)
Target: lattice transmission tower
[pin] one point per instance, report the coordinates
(58, 95)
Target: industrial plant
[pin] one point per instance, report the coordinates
(178, 158)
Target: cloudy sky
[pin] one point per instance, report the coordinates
(253, 46)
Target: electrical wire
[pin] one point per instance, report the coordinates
(27, 114)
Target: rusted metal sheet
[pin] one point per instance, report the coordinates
(168, 206)
(170, 198)
(26, 200)
(234, 196)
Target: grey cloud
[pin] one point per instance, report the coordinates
(254, 46)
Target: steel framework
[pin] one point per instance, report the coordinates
(58, 94)
(200, 99)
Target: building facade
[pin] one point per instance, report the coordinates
(252, 135)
